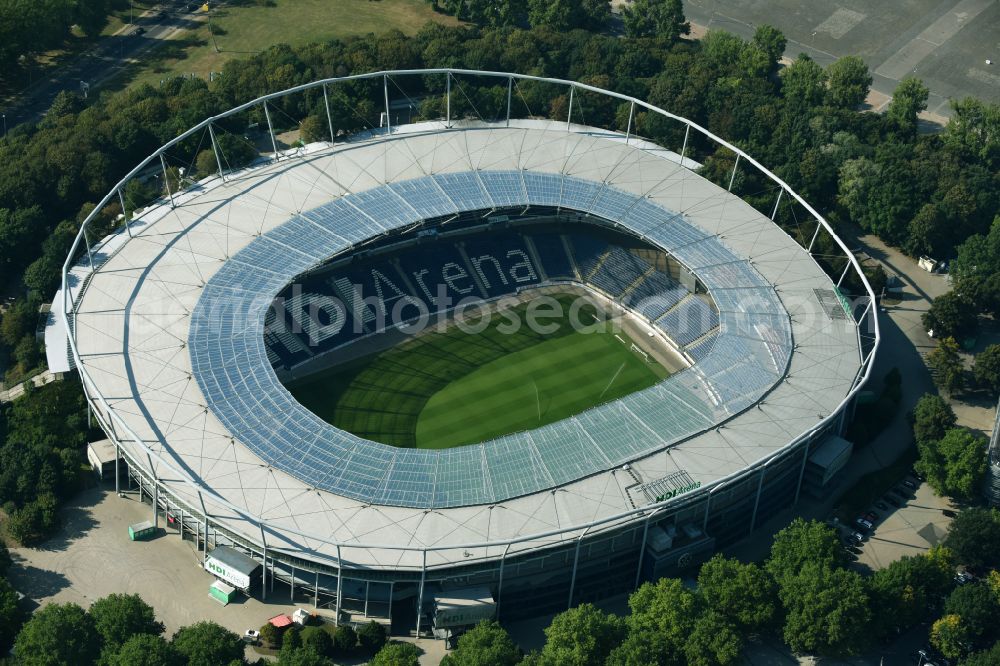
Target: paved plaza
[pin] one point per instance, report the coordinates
(946, 44)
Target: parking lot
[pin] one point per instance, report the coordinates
(905, 520)
(91, 556)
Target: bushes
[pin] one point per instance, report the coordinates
(372, 636)
(270, 636)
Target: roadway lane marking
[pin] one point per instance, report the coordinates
(840, 22)
(905, 60)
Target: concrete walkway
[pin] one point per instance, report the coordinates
(42, 378)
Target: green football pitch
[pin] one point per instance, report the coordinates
(448, 388)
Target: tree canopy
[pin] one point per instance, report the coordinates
(902, 592)
(974, 537)
(486, 644)
(827, 611)
(945, 363)
(57, 635)
(742, 592)
(146, 650)
(655, 18)
(801, 543)
(118, 617)
(581, 636)
(954, 465)
(932, 418)
(208, 644)
(396, 654)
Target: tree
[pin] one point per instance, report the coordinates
(909, 99)
(803, 543)
(372, 636)
(977, 607)
(11, 616)
(581, 636)
(270, 636)
(396, 654)
(713, 641)
(986, 369)
(950, 315)
(743, 593)
(318, 640)
(345, 639)
(989, 657)
(827, 611)
(33, 521)
(20, 232)
(932, 418)
(554, 14)
(949, 636)
(849, 80)
(771, 41)
(58, 634)
(956, 464)
(662, 618)
(118, 617)
(974, 537)
(655, 18)
(291, 637)
(486, 644)
(302, 656)
(803, 83)
(946, 365)
(5, 559)
(902, 591)
(929, 232)
(974, 129)
(146, 650)
(208, 644)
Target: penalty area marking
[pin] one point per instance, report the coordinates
(620, 368)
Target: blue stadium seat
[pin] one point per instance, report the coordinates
(552, 253)
(619, 270)
(655, 294)
(690, 320)
(588, 250)
(501, 262)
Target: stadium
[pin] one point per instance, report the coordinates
(299, 359)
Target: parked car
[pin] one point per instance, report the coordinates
(857, 537)
(863, 524)
(909, 484)
(871, 516)
(251, 636)
(948, 513)
(881, 506)
(964, 578)
(891, 499)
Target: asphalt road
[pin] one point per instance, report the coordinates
(108, 58)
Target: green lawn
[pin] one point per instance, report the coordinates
(248, 28)
(450, 388)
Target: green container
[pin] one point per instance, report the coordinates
(141, 531)
(221, 592)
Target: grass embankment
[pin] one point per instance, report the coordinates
(243, 29)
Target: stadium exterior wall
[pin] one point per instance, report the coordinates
(588, 568)
(585, 562)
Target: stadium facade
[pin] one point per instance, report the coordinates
(172, 329)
